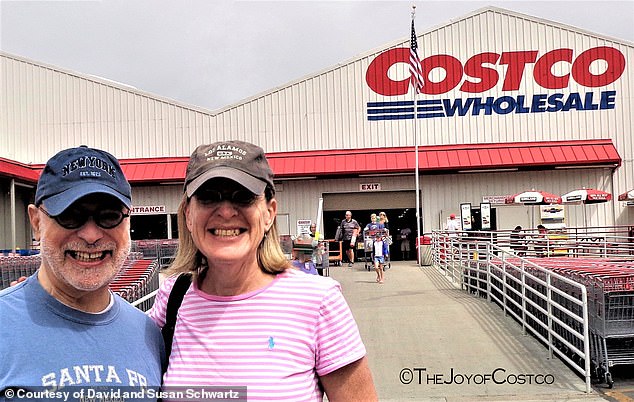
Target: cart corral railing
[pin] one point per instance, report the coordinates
(163, 250)
(614, 242)
(547, 305)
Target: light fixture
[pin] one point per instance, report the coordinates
(387, 174)
(295, 178)
(585, 167)
(488, 170)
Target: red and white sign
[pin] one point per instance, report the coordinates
(483, 71)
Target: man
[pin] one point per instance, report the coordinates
(350, 230)
(404, 238)
(62, 328)
(453, 226)
(541, 242)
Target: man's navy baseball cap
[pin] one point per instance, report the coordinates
(76, 172)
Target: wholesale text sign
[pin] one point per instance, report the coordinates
(595, 67)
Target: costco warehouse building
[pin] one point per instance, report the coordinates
(510, 103)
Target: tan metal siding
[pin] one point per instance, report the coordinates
(44, 109)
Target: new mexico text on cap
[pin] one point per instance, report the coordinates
(76, 172)
(239, 161)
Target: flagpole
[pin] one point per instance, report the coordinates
(416, 171)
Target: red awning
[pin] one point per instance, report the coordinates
(350, 162)
(446, 158)
(21, 171)
(153, 170)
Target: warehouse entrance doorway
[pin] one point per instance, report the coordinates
(399, 206)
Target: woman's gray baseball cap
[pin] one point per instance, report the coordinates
(76, 172)
(240, 161)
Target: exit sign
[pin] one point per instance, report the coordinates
(370, 187)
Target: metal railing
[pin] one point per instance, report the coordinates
(600, 242)
(550, 306)
(146, 302)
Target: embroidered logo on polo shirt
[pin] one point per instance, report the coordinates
(271, 343)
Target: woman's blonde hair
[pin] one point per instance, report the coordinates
(384, 216)
(189, 259)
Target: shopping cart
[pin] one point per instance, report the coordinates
(369, 237)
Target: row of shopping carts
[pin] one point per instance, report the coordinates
(163, 250)
(610, 295)
(13, 267)
(138, 278)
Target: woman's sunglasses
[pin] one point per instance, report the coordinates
(240, 197)
(73, 218)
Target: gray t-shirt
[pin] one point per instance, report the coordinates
(348, 228)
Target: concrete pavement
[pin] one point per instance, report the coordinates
(427, 340)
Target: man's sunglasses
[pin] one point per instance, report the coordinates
(240, 197)
(73, 218)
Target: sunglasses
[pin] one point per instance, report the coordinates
(240, 197)
(73, 218)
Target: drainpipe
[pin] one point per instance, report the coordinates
(614, 196)
(12, 201)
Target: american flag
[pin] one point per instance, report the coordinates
(414, 64)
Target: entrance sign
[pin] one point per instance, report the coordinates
(148, 210)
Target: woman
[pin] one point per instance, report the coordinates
(385, 222)
(247, 319)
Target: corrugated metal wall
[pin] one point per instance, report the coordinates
(47, 108)
(44, 109)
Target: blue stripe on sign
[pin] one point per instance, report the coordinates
(438, 108)
(394, 110)
(429, 102)
(391, 117)
(430, 115)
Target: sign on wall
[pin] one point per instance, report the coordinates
(303, 226)
(465, 216)
(370, 187)
(485, 216)
(494, 199)
(504, 71)
(148, 210)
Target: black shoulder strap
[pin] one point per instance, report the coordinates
(173, 303)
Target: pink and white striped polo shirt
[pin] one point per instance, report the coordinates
(276, 341)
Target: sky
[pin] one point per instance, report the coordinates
(213, 54)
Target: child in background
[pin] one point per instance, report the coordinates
(380, 251)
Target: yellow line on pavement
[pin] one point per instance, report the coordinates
(619, 396)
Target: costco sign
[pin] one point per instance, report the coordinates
(484, 71)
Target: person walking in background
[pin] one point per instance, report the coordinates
(373, 226)
(63, 318)
(318, 250)
(541, 241)
(246, 319)
(404, 239)
(518, 244)
(349, 231)
(381, 251)
(385, 222)
(453, 226)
